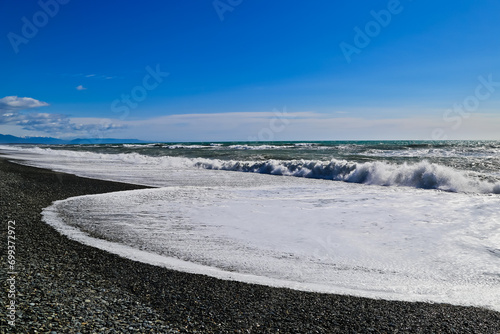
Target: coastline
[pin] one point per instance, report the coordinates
(64, 286)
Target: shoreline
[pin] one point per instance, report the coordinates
(65, 286)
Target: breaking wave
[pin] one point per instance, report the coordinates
(423, 175)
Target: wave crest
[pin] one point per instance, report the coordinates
(422, 175)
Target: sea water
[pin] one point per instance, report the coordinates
(414, 221)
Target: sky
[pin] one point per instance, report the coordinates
(241, 70)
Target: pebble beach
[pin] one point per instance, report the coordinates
(62, 286)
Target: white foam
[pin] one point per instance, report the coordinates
(419, 175)
(191, 146)
(257, 147)
(387, 242)
(391, 243)
(154, 171)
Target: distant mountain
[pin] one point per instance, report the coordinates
(8, 139)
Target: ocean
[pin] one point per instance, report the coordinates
(398, 220)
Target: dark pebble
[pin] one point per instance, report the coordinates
(65, 287)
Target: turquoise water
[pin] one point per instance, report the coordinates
(479, 156)
(456, 166)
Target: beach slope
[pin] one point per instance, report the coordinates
(67, 287)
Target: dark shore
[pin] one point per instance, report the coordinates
(65, 287)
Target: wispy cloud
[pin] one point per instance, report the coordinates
(16, 111)
(11, 103)
(298, 126)
(92, 76)
(62, 125)
(305, 125)
(80, 87)
(11, 107)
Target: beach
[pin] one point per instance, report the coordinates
(66, 287)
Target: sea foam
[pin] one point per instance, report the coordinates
(379, 242)
(422, 175)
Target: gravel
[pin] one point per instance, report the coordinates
(66, 287)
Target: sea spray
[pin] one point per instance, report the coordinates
(400, 169)
(422, 175)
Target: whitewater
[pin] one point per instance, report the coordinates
(415, 221)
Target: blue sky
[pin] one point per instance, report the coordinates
(250, 70)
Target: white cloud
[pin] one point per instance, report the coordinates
(13, 115)
(63, 126)
(20, 103)
(11, 107)
(249, 126)
(80, 87)
(92, 76)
